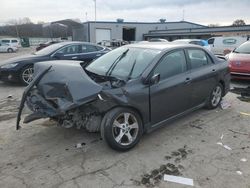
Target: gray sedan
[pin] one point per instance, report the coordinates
(129, 91)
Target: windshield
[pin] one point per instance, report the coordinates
(49, 49)
(244, 48)
(123, 62)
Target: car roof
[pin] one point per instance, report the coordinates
(77, 42)
(8, 39)
(187, 40)
(160, 45)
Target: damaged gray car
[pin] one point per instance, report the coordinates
(128, 91)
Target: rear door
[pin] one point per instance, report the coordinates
(202, 74)
(90, 52)
(170, 96)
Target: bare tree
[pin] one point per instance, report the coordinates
(25, 20)
(238, 22)
(40, 22)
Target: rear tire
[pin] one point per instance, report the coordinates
(215, 97)
(121, 128)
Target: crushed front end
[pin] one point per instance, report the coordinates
(62, 91)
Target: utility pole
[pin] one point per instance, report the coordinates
(95, 9)
(17, 32)
(183, 14)
(86, 16)
(95, 21)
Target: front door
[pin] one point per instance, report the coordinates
(71, 52)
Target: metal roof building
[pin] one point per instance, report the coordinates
(130, 31)
(200, 33)
(136, 31)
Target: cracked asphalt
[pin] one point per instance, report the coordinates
(42, 154)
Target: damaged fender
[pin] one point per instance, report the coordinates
(64, 92)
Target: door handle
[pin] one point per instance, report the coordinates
(188, 80)
(74, 57)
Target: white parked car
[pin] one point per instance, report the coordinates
(223, 45)
(13, 42)
(7, 48)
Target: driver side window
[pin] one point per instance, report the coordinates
(171, 65)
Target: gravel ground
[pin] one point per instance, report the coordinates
(195, 146)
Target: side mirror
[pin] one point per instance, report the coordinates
(154, 79)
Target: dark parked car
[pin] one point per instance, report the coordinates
(239, 61)
(129, 91)
(43, 45)
(21, 68)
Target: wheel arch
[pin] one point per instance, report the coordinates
(223, 87)
(23, 68)
(130, 107)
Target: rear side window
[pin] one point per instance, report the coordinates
(211, 41)
(198, 58)
(171, 65)
(99, 48)
(88, 48)
(229, 41)
(14, 41)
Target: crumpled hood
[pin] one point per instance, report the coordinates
(66, 84)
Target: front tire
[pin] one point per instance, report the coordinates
(215, 97)
(26, 75)
(122, 128)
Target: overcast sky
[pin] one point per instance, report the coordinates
(205, 12)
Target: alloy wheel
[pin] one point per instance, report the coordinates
(125, 129)
(216, 96)
(27, 75)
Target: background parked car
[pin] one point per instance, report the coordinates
(239, 61)
(43, 45)
(157, 40)
(199, 42)
(222, 45)
(4, 47)
(13, 42)
(115, 43)
(130, 90)
(21, 68)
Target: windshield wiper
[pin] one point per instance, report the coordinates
(103, 77)
(132, 69)
(110, 70)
